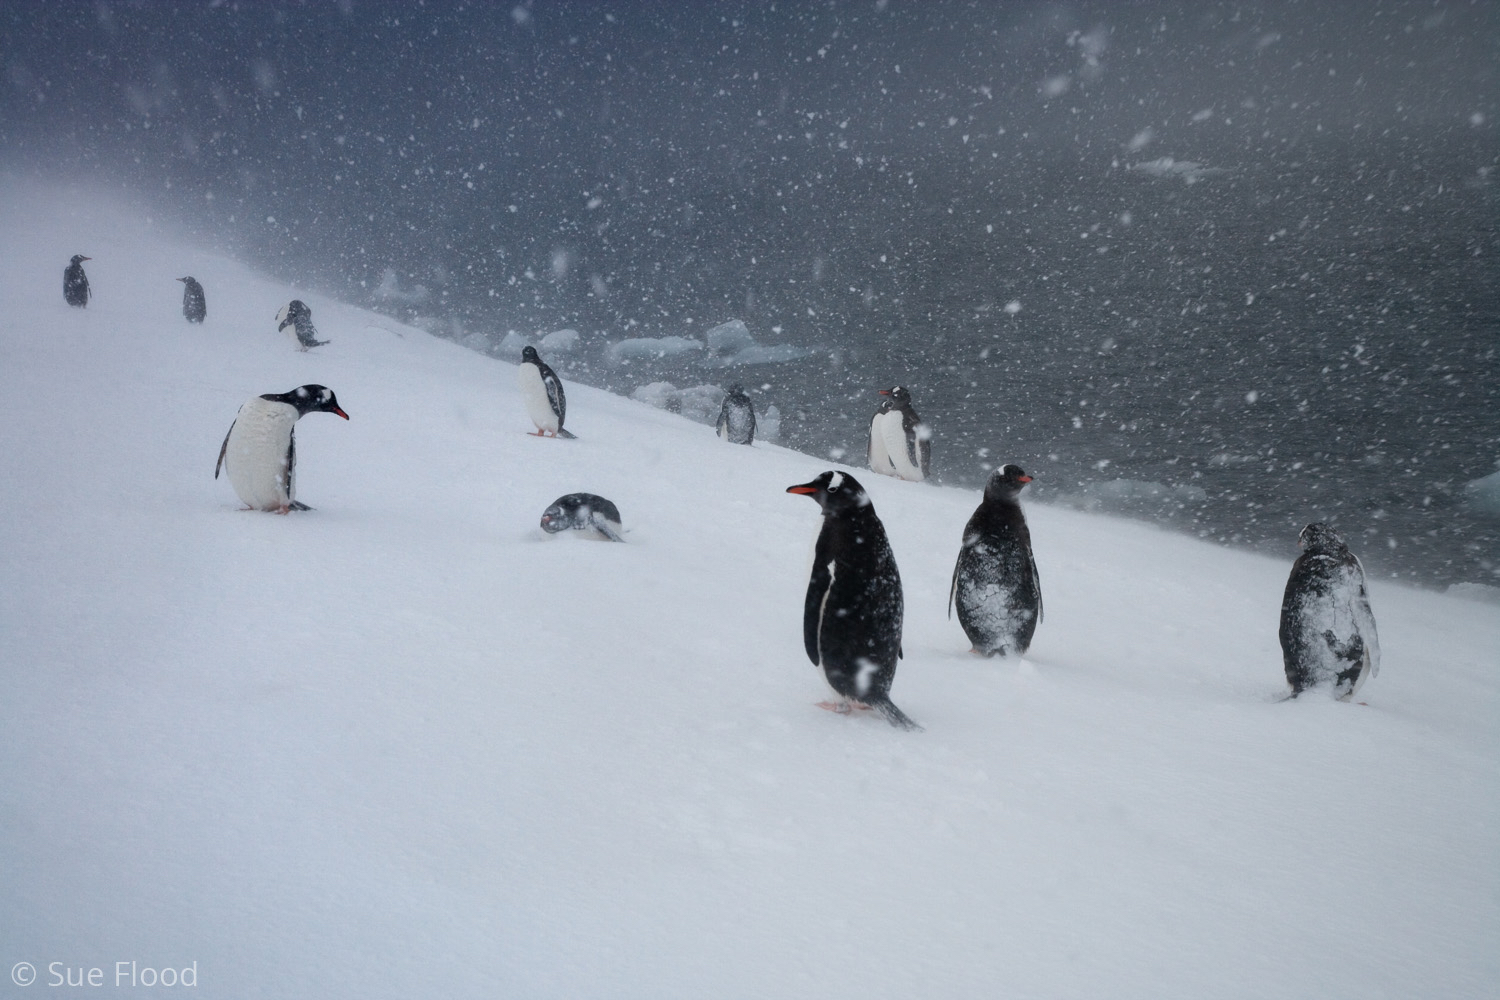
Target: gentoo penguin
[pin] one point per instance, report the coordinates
(899, 442)
(259, 451)
(995, 583)
(851, 620)
(586, 512)
(75, 282)
(543, 392)
(296, 315)
(736, 417)
(194, 306)
(1327, 629)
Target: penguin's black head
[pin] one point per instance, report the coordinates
(1006, 483)
(898, 395)
(1320, 537)
(79, 258)
(187, 279)
(736, 390)
(315, 399)
(835, 492)
(528, 353)
(555, 519)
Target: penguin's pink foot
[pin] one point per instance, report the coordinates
(841, 707)
(283, 510)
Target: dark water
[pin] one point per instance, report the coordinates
(1230, 267)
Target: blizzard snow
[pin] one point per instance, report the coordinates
(407, 745)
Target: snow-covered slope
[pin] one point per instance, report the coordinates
(407, 745)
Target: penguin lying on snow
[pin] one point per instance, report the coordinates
(1327, 628)
(298, 316)
(736, 417)
(75, 282)
(259, 451)
(900, 444)
(995, 582)
(851, 620)
(194, 306)
(586, 512)
(542, 392)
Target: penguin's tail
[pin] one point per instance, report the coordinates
(566, 434)
(894, 715)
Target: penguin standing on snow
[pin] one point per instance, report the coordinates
(995, 582)
(586, 512)
(75, 282)
(736, 417)
(900, 444)
(1327, 628)
(851, 620)
(259, 451)
(542, 392)
(298, 317)
(194, 305)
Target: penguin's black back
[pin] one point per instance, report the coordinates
(996, 587)
(852, 616)
(1325, 615)
(75, 282)
(736, 422)
(194, 305)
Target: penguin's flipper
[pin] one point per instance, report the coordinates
(812, 610)
(609, 529)
(953, 587)
(1036, 579)
(894, 715)
(291, 465)
(566, 434)
(223, 450)
(298, 505)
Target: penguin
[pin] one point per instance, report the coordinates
(543, 393)
(194, 306)
(585, 512)
(995, 582)
(260, 452)
(75, 282)
(736, 417)
(1327, 629)
(298, 316)
(851, 620)
(900, 444)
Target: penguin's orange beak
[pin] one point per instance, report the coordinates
(885, 392)
(340, 412)
(804, 488)
(1023, 479)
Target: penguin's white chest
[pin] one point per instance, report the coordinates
(258, 451)
(903, 454)
(534, 395)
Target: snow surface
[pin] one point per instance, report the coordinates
(406, 745)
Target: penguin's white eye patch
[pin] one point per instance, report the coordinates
(835, 482)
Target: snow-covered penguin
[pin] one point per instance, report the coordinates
(900, 444)
(75, 282)
(995, 583)
(851, 620)
(260, 453)
(1327, 629)
(194, 305)
(296, 318)
(589, 513)
(542, 392)
(736, 417)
